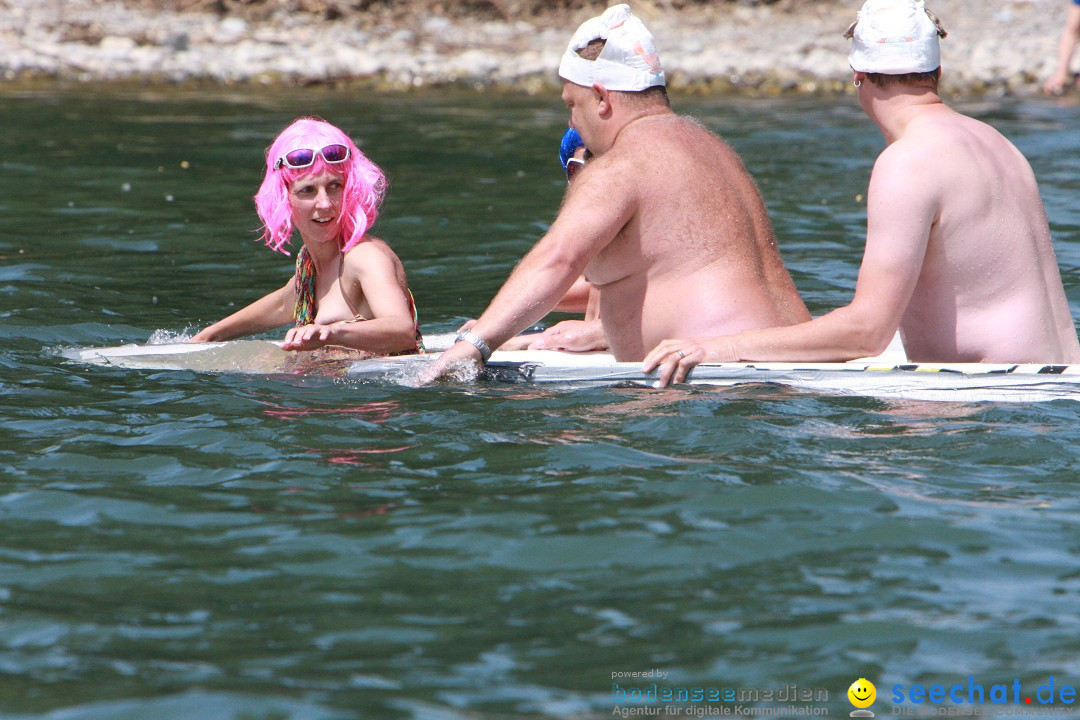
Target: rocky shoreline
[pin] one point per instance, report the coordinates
(995, 46)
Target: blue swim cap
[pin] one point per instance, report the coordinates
(571, 141)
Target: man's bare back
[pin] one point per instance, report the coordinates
(697, 252)
(958, 253)
(989, 265)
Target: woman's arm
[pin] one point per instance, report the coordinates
(270, 311)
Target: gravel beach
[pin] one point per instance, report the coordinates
(994, 46)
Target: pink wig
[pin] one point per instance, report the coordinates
(365, 184)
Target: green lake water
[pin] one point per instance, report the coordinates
(186, 546)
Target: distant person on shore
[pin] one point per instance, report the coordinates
(663, 219)
(958, 251)
(349, 287)
(1064, 78)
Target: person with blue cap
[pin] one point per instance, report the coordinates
(958, 253)
(574, 335)
(582, 335)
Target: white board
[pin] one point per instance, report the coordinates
(254, 357)
(925, 381)
(236, 356)
(885, 376)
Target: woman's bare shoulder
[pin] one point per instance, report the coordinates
(371, 250)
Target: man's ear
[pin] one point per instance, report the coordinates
(603, 99)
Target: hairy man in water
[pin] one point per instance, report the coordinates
(664, 219)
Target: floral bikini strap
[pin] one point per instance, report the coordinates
(304, 310)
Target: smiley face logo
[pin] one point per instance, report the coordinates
(862, 693)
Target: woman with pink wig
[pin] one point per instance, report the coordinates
(319, 184)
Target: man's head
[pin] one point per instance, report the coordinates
(310, 146)
(611, 56)
(895, 42)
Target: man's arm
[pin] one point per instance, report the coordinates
(902, 206)
(597, 206)
(576, 299)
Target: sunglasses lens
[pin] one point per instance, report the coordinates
(300, 158)
(335, 153)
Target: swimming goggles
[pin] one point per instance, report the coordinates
(305, 157)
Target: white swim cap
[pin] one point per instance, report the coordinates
(629, 61)
(895, 37)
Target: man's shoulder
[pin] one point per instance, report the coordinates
(939, 141)
(668, 139)
(909, 171)
(676, 126)
(910, 153)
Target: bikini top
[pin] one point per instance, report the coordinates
(306, 306)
